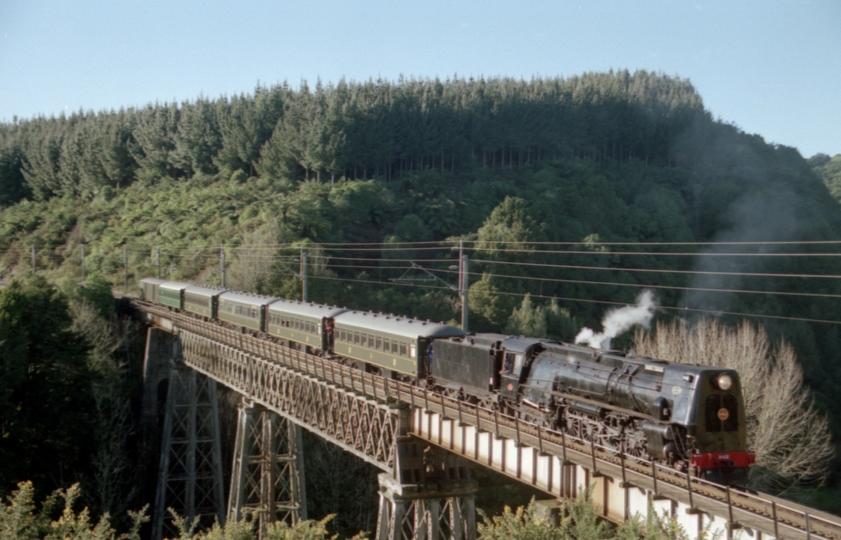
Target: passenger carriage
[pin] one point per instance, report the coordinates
(171, 293)
(388, 342)
(149, 288)
(247, 310)
(203, 300)
(302, 322)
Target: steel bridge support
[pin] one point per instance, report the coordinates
(430, 495)
(190, 473)
(267, 479)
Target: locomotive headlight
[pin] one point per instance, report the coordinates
(724, 382)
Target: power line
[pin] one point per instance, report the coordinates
(665, 253)
(644, 286)
(592, 301)
(655, 270)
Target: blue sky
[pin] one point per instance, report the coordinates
(770, 67)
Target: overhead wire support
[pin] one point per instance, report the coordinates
(461, 289)
(415, 266)
(302, 274)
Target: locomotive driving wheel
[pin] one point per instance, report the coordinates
(583, 427)
(635, 446)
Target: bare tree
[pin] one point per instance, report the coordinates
(113, 487)
(791, 438)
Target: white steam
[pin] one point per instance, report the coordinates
(619, 320)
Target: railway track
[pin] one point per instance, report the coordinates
(741, 508)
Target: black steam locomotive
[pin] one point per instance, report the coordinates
(691, 417)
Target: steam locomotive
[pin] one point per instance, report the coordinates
(691, 417)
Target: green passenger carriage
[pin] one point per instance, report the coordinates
(203, 300)
(248, 310)
(171, 293)
(391, 343)
(302, 322)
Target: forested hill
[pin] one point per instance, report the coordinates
(507, 165)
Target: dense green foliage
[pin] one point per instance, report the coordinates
(506, 166)
(356, 131)
(21, 519)
(57, 518)
(65, 406)
(46, 421)
(577, 520)
(829, 169)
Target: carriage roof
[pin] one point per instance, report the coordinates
(306, 309)
(395, 325)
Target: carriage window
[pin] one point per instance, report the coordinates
(363, 340)
(403, 350)
(721, 413)
(386, 346)
(379, 343)
(356, 338)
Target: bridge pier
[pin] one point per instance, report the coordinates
(430, 496)
(190, 473)
(268, 471)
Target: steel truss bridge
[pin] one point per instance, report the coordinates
(420, 439)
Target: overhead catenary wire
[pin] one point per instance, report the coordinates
(657, 270)
(592, 301)
(268, 253)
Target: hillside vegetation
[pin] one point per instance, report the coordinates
(543, 181)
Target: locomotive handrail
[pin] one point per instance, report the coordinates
(784, 518)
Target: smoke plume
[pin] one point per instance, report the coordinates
(619, 320)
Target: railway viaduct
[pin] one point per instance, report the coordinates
(420, 440)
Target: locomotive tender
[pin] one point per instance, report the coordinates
(691, 417)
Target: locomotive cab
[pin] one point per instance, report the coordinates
(517, 360)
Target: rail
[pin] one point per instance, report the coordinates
(742, 509)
